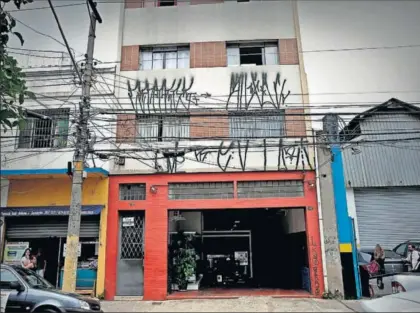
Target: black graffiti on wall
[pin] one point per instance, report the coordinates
(250, 91)
(162, 97)
(236, 155)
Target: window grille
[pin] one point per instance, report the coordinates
(256, 126)
(162, 128)
(270, 189)
(132, 191)
(132, 238)
(212, 190)
(45, 133)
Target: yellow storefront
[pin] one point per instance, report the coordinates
(36, 215)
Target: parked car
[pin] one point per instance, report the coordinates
(402, 248)
(408, 281)
(400, 302)
(394, 262)
(22, 290)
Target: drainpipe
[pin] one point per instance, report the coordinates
(320, 218)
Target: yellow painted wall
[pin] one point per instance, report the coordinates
(57, 191)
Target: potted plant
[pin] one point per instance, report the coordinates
(184, 260)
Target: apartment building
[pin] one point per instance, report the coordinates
(212, 154)
(35, 177)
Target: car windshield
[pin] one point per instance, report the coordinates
(33, 279)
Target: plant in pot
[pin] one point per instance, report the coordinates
(184, 261)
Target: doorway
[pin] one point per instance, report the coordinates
(130, 263)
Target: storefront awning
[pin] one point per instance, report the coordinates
(49, 210)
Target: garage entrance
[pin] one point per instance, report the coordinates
(238, 249)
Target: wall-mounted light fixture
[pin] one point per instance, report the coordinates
(153, 189)
(311, 183)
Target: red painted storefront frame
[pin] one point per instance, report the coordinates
(157, 205)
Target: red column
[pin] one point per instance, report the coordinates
(313, 235)
(156, 245)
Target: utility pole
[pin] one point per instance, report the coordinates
(73, 231)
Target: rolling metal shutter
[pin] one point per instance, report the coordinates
(387, 216)
(37, 227)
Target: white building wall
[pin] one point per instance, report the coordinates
(209, 22)
(351, 207)
(48, 65)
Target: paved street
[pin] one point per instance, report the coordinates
(245, 304)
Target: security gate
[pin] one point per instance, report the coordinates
(130, 255)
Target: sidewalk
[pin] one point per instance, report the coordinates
(245, 304)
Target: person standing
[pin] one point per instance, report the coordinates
(25, 261)
(413, 257)
(379, 257)
(41, 263)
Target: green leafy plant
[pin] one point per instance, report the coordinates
(13, 88)
(184, 260)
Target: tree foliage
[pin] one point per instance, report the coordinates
(13, 88)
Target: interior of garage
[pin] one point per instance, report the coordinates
(239, 249)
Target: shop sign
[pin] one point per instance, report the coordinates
(49, 210)
(4, 296)
(79, 250)
(242, 257)
(13, 252)
(128, 222)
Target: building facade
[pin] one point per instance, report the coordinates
(382, 180)
(213, 143)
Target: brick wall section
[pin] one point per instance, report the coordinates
(130, 58)
(209, 126)
(134, 4)
(126, 128)
(288, 51)
(295, 124)
(208, 54)
(206, 1)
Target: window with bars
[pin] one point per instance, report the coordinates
(162, 128)
(166, 57)
(253, 53)
(256, 125)
(132, 191)
(45, 133)
(132, 237)
(211, 190)
(270, 189)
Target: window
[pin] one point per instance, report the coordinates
(256, 126)
(166, 3)
(252, 54)
(162, 128)
(132, 191)
(45, 133)
(401, 249)
(165, 57)
(7, 277)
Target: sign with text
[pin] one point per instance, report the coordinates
(128, 222)
(79, 250)
(13, 252)
(49, 210)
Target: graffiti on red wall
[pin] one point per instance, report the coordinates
(315, 264)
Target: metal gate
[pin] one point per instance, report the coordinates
(130, 275)
(18, 228)
(387, 216)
